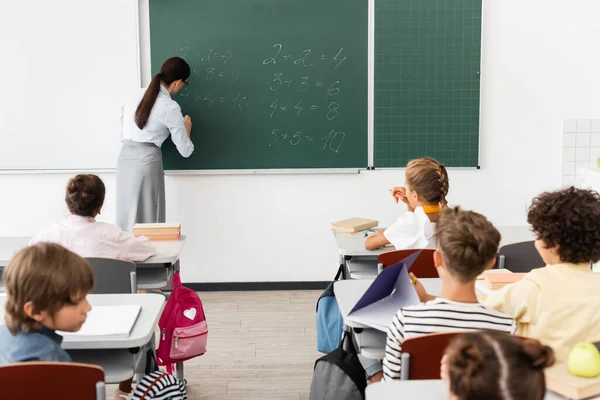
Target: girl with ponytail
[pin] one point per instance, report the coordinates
(148, 119)
(424, 193)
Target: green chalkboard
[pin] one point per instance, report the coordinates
(275, 83)
(427, 63)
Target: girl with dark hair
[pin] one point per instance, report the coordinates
(147, 121)
(85, 236)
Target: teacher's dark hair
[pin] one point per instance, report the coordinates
(172, 70)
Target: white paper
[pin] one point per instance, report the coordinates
(379, 315)
(108, 321)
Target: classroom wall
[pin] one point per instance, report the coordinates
(540, 62)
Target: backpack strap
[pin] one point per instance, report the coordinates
(339, 273)
(152, 385)
(176, 280)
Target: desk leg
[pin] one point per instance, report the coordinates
(344, 266)
(179, 372)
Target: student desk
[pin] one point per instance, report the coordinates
(430, 389)
(154, 273)
(352, 250)
(370, 341)
(113, 354)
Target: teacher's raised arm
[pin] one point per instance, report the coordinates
(149, 117)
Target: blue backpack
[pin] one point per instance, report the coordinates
(330, 324)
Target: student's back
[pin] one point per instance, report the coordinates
(568, 300)
(424, 193)
(467, 245)
(85, 236)
(558, 304)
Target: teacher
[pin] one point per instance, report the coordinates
(147, 121)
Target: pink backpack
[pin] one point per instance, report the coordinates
(183, 328)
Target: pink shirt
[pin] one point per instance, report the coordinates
(89, 238)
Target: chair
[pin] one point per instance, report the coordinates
(113, 276)
(52, 380)
(421, 355)
(423, 266)
(520, 257)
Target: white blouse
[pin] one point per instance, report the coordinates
(412, 231)
(165, 119)
(89, 238)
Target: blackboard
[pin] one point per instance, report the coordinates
(427, 78)
(274, 84)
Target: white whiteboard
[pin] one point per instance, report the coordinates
(66, 67)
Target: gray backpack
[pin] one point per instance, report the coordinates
(339, 375)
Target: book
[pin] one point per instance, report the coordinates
(159, 225)
(561, 381)
(159, 231)
(493, 271)
(354, 225)
(497, 281)
(108, 321)
(156, 238)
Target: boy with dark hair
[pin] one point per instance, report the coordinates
(558, 304)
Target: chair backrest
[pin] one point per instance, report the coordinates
(423, 266)
(52, 380)
(113, 276)
(520, 257)
(421, 355)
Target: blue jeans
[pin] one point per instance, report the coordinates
(371, 366)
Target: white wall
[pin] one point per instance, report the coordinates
(540, 60)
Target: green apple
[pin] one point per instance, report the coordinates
(584, 360)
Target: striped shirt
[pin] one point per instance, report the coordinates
(159, 386)
(438, 316)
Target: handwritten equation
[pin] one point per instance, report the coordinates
(305, 58)
(304, 91)
(332, 141)
(296, 87)
(212, 66)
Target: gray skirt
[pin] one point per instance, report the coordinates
(140, 185)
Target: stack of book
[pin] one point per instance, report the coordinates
(160, 231)
(353, 225)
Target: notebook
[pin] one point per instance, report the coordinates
(108, 321)
(561, 381)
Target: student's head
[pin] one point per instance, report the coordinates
(85, 195)
(467, 244)
(173, 74)
(47, 285)
(426, 182)
(496, 366)
(567, 225)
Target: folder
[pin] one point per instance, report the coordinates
(390, 291)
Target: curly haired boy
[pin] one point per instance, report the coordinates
(558, 304)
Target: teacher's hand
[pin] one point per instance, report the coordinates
(187, 121)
